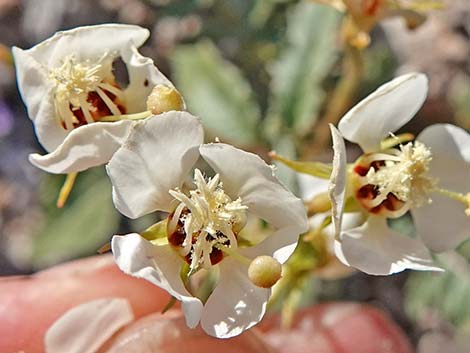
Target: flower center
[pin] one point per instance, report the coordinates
(393, 181)
(204, 222)
(85, 91)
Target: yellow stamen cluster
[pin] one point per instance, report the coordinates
(74, 80)
(211, 220)
(404, 174)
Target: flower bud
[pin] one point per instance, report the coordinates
(264, 271)
(164, 99)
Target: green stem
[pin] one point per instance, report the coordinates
(341, 98)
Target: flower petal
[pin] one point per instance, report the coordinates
(92, 42)
(143, 76)
(450, 165)
(236, 304)
(337, 187)
(37, 95)
(159, 265)
(247, 176)
(384, 111)
(85, 328)
(156, 158)
(310, 186)
(375, 249)
(85, 147)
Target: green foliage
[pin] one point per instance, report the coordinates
(447, 293)
(298, 74)
(215, 90)
(86, 222)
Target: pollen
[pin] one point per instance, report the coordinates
(204, 222)
(396, 179)
(85, 91)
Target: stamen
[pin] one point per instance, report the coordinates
(85, 91)
(392, 181)
(205, 221)
(109, 103)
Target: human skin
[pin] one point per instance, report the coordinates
(30, 304)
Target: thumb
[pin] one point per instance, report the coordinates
(30, 304)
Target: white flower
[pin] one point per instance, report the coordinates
(68, 85)
(205, 224)
(429, 178)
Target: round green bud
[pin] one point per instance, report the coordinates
(164, 99)
(264, 271)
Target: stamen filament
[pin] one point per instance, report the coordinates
(85, 107)
(110, 88)
(109, 103)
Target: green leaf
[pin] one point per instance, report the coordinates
(446, 293)
(297, 76)
(86, 222)
(215, 90)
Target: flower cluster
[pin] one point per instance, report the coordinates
(208, 193)
(84, 116)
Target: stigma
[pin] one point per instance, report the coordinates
(391, 182)
(205, 222)
(85, 91)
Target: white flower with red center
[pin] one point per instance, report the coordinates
(68, 85)
(428, 178)
(205, 222)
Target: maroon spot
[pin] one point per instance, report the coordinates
(216, 256)
(361, 170)
(371, 7)
(367, 192)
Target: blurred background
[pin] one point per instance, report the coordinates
(263, 75)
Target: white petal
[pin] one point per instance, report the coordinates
(85, 147)
(280, 245)
(375, 249)
(37, 95)
(143, 76)
(236, 304)
(337, 187)
(86, 327)
(384, 111)
(87, 42)
(156, 158)
(247, 176)
(159, 265)
(443, 224)
(310, 186)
